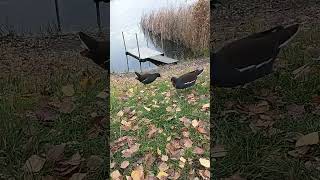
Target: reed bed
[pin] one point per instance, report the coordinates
(189, 25)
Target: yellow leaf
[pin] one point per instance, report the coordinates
(309, 139)
(137, 174)
(162, 174)
(146, 108)
(120, 113)
(205, 162)
(68, 90)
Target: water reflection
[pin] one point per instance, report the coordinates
(125, 17)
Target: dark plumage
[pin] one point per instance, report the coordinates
(250, 58)
(186, 80)
(214, 4)
(98, 51)
(147, 78)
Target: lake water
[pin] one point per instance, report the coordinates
(30, 15)
(125, 17)
(35, 15)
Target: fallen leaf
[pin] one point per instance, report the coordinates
(68, 90)
(124, 164)
(259, 108)
(137, 174)
(198, 150)
(34, 164)
(218, 151)
(205, 162)
(195, 123)
(56, 152)
(309, 139)
(152, 131)
(163, 166)
(120, 113)
(164, 158)
(296, 111)
(103, 95)
(146, 108)
(205, 107)
(78, 176)
(115, 175)
(128, 152)
(148, 160)
(169, 109)
(94, 162)
(185, 121)
(67, 106)
(162, 175)
(182, 159)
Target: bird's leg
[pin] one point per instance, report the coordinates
(98, 15)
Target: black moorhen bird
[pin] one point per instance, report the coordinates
(147, 78)
(186, 80)
(98, 51)
(214, 4)
(250, 58)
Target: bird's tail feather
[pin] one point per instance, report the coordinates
(90, 42)
(287, 34)
(137, 74)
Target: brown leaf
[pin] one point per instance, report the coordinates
(46, 115)
(78, 176)
(67, 106)
(163, 166)
(259, 108)
(103, 95)
(309, 139)
(56, 152)
(128, 152)
(75, 160)
(124, 164)
(187, 142)
(198, 150)
(205, 107)
(295, 110)
(152, 131)
(34, 164)
(218, 151)
(94, 162)
(148, 160)
(185, 121)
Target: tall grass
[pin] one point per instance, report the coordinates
(189, 25)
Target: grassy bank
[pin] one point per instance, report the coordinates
(258, 129)
(157, 130)
(52, 109)
(187, 25)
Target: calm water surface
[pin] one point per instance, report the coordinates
(34, 16)
(125, 17)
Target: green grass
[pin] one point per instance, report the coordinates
(168, 121)
(255, 155)
(23, 136)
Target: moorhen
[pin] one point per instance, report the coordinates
(98, 51)
(186, 80)
(147, 78)
(250, 58)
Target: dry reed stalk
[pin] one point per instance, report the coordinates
(189, 25)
